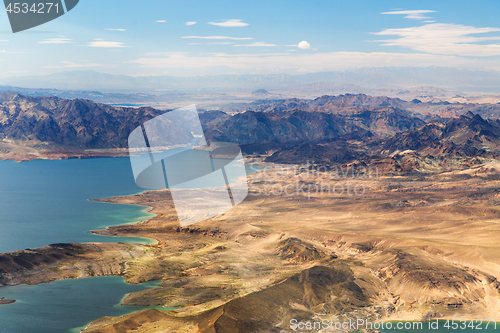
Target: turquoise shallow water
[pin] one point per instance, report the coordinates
(46, 202)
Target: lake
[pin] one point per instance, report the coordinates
(61, 306)
(47, 201)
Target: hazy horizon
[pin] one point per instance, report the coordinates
(227, 38)
(450, 79)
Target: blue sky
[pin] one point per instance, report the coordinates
(188, 38)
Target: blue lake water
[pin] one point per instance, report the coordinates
(64, 305)
(45, 202)
(127, 104)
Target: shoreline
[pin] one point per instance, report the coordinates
(81, 248)
(153, 241)
(244, 227)
(145, 209)
(29, 154)
(74, 250)
(268, 242)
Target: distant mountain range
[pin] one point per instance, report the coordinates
(355, 103)
(468, 135)
(252, 127)
(347, 128)
(85, 124)
(240, 98)
(437, 146)
(330, 129)
(373, 78)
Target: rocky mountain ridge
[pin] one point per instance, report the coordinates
(80, 124)
(329, 130)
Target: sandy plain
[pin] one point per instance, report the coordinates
(387, 247)
(415, 247)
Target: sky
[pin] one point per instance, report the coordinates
(192, 38)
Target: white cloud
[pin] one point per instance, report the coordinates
(160, 21)
(12, 52)
(411, 14)
(230, 23)
(191, 23)
(117, 29)
(71, 64)
(167, 54)
(445, 39)
(221, 43)
(307, 63)
(216, 37)
(304, 45)
(250, 55)
(59, 40)
(106, 44)
(256, 44)
(3, 40)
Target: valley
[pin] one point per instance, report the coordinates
(369, 208)
(410, 247)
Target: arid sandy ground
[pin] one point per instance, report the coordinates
(416, 246)
(404, 247)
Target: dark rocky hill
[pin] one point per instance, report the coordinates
(347, 103)
(302, 126)
(74, 123)
(468, 135)
(318, 153)
(253, 127)
(208, 118)
(347, 148)
(356, 103)
(330, 129)
(433, 147)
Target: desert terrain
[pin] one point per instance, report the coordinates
(409, 248)
(369, 208)
(390, 247)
